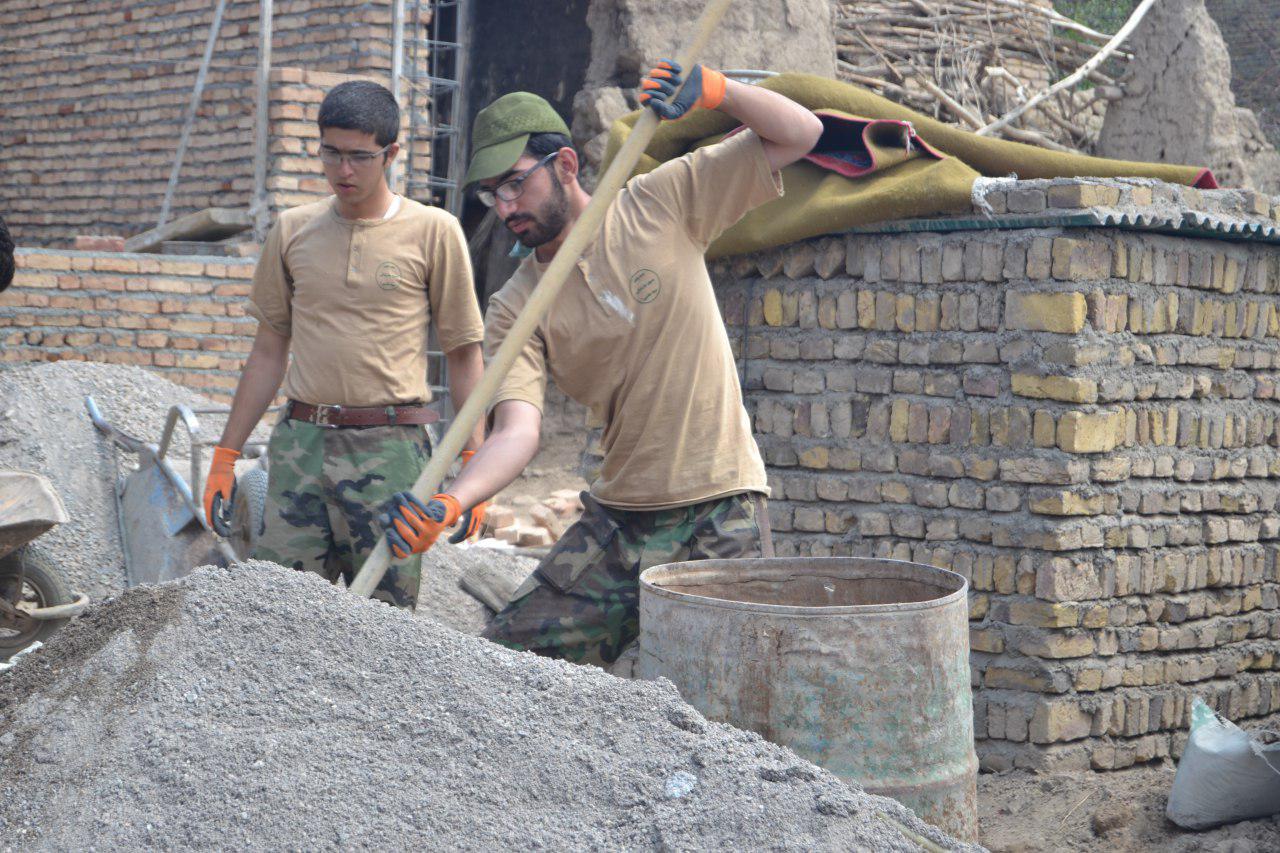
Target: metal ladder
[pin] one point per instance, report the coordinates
(429, 64)
(428, 71)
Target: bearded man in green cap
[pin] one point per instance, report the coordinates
(636, 336)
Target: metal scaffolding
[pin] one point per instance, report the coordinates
(428, 70)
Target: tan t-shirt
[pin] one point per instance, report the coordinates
(637, 337)
(356, 296)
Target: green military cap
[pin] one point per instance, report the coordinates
(503, 128)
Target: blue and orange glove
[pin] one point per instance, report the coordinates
(220, 490)
(705, 88)
(473, 519)
(412, 526)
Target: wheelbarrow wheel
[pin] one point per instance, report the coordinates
(42, 586)
(247, 521)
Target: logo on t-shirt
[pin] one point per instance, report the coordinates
(645, 285)
(388, 275)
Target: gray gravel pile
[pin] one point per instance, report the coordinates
(441, 596)
(45, 428)
(259, 707)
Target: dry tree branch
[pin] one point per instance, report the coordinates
(1079, 74)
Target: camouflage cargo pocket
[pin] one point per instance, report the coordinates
(583, 546)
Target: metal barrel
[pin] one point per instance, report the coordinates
(859, 665)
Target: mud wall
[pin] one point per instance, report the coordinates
(1082, 421)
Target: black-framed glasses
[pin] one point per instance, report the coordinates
(512, 188)
(332, 156)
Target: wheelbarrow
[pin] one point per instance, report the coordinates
(34, 599)
(163, 529)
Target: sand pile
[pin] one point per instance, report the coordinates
(442, 597)
(252, 707)
(44, 428)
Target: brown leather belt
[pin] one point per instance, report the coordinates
(350, 416)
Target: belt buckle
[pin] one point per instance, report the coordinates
(320, 417)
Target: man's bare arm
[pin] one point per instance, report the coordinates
(788, 130)
(259, 381)
(466, 366)
(510, 446)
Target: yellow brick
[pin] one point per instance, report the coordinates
(1231, 276)
(986, 640)
(773, 308)
(1067, 503)
(1045, 312)
(1088, 679)
(1069, 389)
(1058, 646)
(1096, 616)
(898, 420)
(790, 308)
(866, 309)
(1079, 432)
(1042, 430)
(1043, 614)
(1083, 195)
(814, 457)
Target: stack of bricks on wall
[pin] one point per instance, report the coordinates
(1081, 421)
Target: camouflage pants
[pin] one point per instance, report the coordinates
(582, 603)
(325, 490)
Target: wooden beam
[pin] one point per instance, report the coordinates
(261, 129)
(197, 92)
(213, 223)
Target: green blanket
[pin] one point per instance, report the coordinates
(935, 177)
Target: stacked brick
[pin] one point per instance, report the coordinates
(183, 317)
(1081, 421)
(96, 94)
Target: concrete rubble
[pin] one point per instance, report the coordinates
(258, 707)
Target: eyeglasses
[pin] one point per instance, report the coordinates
(332, 156)
(512, 188)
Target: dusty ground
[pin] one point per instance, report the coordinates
(1115, 812)
(554, 468)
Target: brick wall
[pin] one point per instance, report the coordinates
(1082, 422)
(184, 317)
(96, 92)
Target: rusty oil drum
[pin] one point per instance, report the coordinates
(859, 665)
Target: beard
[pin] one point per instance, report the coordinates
(549, 220)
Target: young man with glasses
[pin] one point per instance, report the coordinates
(636, 336)
(349, 285)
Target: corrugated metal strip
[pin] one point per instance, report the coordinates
(1191, 224)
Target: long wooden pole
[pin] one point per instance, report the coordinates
(262, 123)
(544, 294)
(197, 92)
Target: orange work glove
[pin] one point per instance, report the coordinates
(220, 489)
(412, 526)
(473, 519)
(705, 89)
